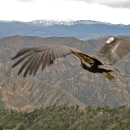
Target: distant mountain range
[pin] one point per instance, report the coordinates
(83, 29)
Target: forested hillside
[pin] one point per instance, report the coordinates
(66, 117)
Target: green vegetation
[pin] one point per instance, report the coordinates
(67, 117)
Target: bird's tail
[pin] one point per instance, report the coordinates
(108, 76)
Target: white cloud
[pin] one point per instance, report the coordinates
(26, 0)
(110, 3)
(61, 10)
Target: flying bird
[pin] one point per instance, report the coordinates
(113, 50)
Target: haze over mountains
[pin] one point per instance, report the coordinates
(79, 29)
(65, 81)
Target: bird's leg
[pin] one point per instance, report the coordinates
(108, 76)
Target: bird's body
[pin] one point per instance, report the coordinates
(88, 63)
(114, 49)
(94, 68)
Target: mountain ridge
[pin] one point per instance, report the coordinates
(65, 74)
(63, 22)
(83, 30)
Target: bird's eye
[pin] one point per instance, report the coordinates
(110, 40)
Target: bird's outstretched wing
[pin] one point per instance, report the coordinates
(114, 49)
(40, 56)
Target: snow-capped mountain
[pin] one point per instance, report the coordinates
(82, 29)
(59, 22)
(69, 22)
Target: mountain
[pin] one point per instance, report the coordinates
(28, 94)
(65, 81)
(83, 29)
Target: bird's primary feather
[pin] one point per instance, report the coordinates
(40, 56)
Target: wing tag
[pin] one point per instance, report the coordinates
(110, 40)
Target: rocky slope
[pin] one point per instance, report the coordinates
(65, 81)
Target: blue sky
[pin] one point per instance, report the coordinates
(111, 11)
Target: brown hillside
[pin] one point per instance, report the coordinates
(66, 74)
